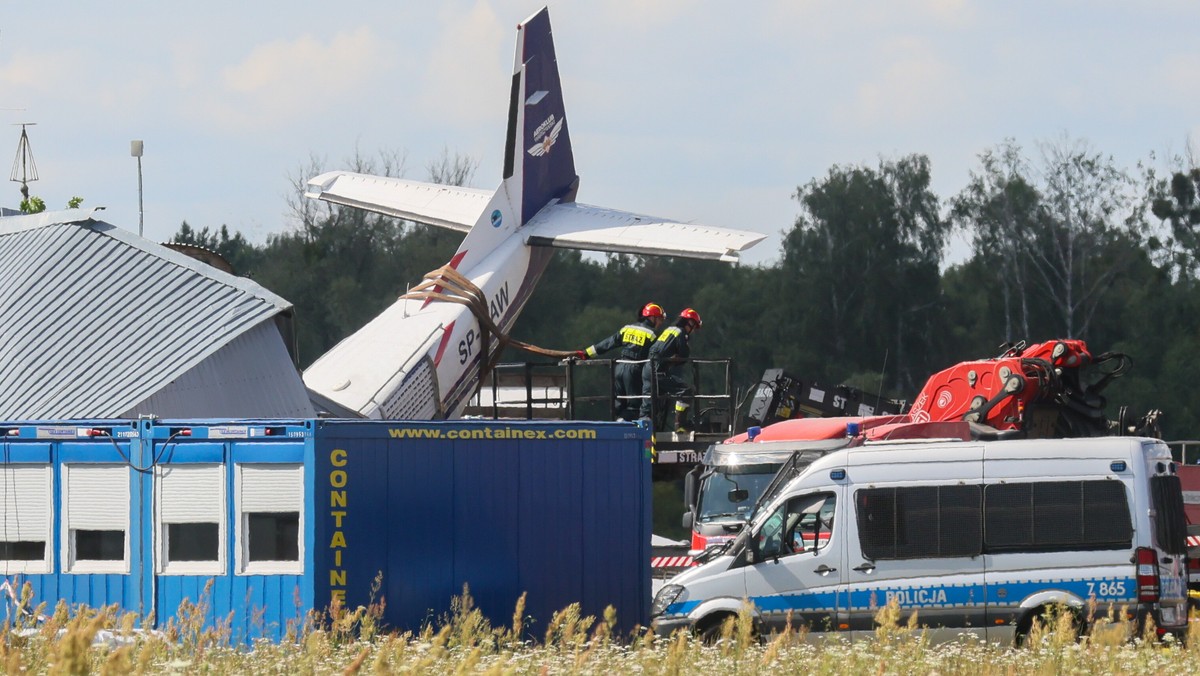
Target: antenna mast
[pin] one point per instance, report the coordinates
(24, 168)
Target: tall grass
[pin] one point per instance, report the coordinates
(352, 641)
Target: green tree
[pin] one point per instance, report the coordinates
(1053, 245)
(1176, 202)
(1000, 209)
(234, 248)
(33, 205)
(860, 276)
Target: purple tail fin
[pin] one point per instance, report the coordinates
(538, 163)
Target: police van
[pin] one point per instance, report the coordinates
(976, 537)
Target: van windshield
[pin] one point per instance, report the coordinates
(714, 503)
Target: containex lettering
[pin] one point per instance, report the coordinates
(489, 433)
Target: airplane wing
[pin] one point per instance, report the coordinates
(580, 226)
(441, 205)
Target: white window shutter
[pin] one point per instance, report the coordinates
(191, 493)
(25, 499)
(97, 497)
(272, 488)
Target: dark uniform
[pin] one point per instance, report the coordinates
(666, 360)
(635, 340)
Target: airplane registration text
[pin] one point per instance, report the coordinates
(496, 307)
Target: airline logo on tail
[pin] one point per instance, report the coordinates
(543, 147)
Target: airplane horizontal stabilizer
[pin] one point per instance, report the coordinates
(580, 226)
(442, 205)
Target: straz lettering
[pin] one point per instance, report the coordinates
(338, 479)
(917, 597)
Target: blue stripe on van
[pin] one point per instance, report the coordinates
(1105, 589)
(1001, 594)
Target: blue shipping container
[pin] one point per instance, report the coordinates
(266, 520)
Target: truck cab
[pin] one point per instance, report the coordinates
(720, 494)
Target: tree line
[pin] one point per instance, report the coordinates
(1063, 243)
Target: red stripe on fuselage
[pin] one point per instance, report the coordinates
(438, 289)
(437, 358)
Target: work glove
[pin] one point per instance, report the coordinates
(581, 355)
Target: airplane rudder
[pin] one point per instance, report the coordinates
(548, 163)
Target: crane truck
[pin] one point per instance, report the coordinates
(1046, 390)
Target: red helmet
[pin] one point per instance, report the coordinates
(691, 314)
(653, 310)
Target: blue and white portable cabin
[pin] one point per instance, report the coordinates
(70, 504)
(281, 517)
(233, 504)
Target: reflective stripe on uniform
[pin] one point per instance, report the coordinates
(636, 335)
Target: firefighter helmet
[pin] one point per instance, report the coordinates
(691, 314)
(653, 310)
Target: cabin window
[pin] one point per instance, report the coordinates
(191, 523)
(96, 518)
(918, 522)
(803, 524)
(26, 496)
(1048, 516)
(270, 519)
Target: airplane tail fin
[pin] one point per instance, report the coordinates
(538, 163)
(539, 167)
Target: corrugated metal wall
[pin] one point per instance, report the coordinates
(253, 371)
(564, 519)
(98, 319)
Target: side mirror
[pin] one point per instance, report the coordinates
(687, 521)
(691, 482)
(738, 495)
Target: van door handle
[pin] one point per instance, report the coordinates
(824, 570)
(866, 568)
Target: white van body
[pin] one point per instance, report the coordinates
(974, 537)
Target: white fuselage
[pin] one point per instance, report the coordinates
(380, 370)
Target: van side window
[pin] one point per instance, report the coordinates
(803, 524)
(1056, 516)
(918, 522)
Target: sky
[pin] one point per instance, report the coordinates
(702, 111)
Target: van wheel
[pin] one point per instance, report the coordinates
(709, 630)
(1048, 616)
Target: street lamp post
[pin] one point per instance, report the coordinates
(135, 149)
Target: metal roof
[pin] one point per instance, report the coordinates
(95, 320)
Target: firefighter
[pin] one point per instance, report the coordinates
(667, 356)
(635, 340)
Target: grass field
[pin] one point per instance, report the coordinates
(352, 642)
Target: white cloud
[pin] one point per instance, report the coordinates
(466, 76)
(286, 79)
(912, 84)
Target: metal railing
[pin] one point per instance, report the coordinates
(574, 390)
(1185, 451)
